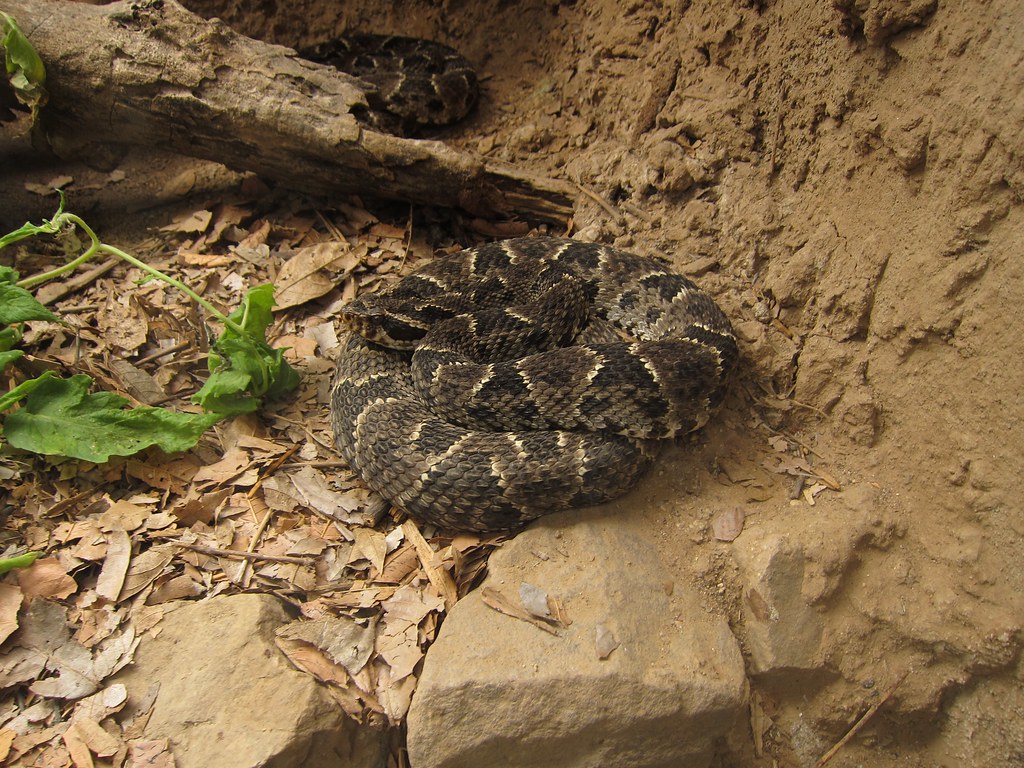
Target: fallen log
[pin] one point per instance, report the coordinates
(151, 73)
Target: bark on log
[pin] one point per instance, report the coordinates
(150, 72)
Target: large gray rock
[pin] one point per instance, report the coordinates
(497, 691)
(228, 697)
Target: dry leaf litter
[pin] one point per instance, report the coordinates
(261, 504)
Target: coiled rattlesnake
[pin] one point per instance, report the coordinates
(520, 437)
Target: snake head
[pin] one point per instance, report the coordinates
(367, 318)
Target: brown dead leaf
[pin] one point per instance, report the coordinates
(344, 640)
(230, 466)
(194, 222)
(494, 599)
(20, 665)
(10, 602)
(313, 487)
(77, 748)
(123, 516)
(137, 382)
(170, 476)
(411, 603)
(210, 260)
(394, 695)
(371, 545)
(175, 589)
(437, 575)
(6, 739)
(398, 645)
(76, 672)
(115, 566)
(399, 565)
(325, 335)
(46, 578)
(146, 567)
(125, 326)
(200, 508)
(311, 659)
(57, 182)
(100, 742)
(302, 277)
(92, 735)
(296, 348)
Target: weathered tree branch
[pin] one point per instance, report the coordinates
(150, 72)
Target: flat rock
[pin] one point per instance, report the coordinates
(499, 691)
(784, 632)
(228, 697)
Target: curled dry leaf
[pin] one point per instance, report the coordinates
(494, 599)
(10, 602)
(99, 741)
(146, 567)
(371, 545)
(6, 739)
(46, 578)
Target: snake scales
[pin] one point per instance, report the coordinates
(498, 416)
(410, 83)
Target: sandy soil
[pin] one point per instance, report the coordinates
(846, 178)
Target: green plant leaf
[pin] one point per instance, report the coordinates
(28, 229)
(18, 305)
(243, 367)
(25, 69)
(9, 356)
(9, 337)
(18, 561)
(60, 418)
(22, 390)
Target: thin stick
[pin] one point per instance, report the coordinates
(608, 207)
(161, 353)
(235, 554)
(860, 723)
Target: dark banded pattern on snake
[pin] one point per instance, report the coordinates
(517, 438)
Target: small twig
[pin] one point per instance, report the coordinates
(861, 721)
(638, 212)
(79, 308)
(323, 464)
(160, 353)
(236, 555)
(271, 469)
(608, 207)
(243, 576)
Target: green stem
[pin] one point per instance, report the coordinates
(98, 246)
(71, 266)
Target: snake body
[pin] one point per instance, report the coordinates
(461, 397)
(410, 83)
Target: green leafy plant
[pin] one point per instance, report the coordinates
(60, 416)
(25, 70)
